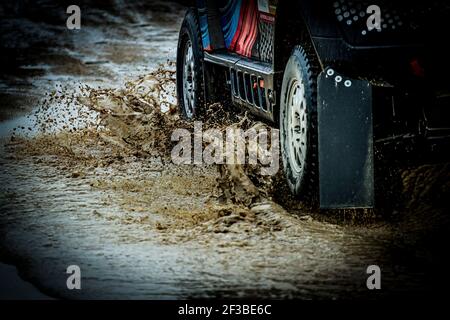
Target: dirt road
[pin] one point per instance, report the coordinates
(86, 179)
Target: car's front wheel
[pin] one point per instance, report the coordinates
(298, 125)
(190, 82)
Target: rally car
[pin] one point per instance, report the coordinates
(336, 76)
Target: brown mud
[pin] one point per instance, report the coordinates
(123, 153)
(87, 179)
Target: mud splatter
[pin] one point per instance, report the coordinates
(136, 122)
(92, 182)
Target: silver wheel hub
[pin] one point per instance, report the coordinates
(296, 126)
(189, 80)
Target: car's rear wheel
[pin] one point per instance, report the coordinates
(190, 81)
(298, 125)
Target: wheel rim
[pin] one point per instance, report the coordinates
(189, 80)
(296, 126)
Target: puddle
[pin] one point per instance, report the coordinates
(87, 179)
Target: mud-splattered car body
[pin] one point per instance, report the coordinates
(379, 66)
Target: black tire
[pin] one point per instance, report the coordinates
(190, 33)
(300, 159)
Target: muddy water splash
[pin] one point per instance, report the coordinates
(137, 121)
(106, 195)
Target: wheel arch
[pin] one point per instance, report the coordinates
(291, 29)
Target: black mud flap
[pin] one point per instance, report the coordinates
(345, 142)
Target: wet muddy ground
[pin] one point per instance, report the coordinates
(87, 179)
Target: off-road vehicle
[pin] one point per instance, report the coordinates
(336, 76)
